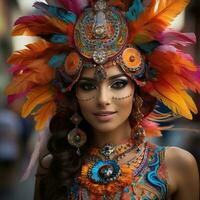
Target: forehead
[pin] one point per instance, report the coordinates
(110, 71)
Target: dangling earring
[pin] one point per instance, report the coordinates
(76, 137)
(138, 133)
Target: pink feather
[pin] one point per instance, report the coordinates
(152, 129)
(12, 98)
(191, 79)
(15, 69)
(171, 37)
(167, 48)
(75, 6)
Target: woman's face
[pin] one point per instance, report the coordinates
(107, 104)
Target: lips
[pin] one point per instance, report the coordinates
(104, 115)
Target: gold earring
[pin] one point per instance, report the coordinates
(138, 133)
(76, 137)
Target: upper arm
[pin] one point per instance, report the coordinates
(183, 172)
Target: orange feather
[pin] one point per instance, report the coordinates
(62, 26)
(45, 113)
(157, 16)
(192, 85)
(20, 83)
(36, 97)
(166, 61)
(169, 96)
(32, 51)
(174, 81)
(38, 73)
(49, 25)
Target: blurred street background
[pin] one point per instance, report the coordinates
(17, 135)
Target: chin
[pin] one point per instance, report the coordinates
(105, 126)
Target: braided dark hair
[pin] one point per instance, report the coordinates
(65, 164)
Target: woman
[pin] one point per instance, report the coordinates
(97, 72)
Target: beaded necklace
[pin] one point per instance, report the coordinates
(103, 175)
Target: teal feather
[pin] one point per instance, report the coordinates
(148, 47)
(60, 13)
(57, 61)
(135, 10)
(59, 38)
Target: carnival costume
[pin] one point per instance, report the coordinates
(134, 35)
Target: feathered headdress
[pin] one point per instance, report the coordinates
(143, 45)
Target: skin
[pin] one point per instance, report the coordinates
(183, 177)
(103, 131)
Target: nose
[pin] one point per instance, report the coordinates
(103, 96)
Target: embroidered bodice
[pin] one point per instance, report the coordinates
(149, 180)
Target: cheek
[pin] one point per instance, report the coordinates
(86, 108)
(125, 107)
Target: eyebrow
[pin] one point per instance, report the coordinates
(109, 78)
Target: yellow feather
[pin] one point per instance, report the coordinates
(170, 96)
(177, 86)
(189, 101)
(174, 102)
(44, 114)
(37, 96)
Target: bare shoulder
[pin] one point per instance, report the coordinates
(180, 157)
(183, 176)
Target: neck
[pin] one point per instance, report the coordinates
(117, 136)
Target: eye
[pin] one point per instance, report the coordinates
(86, 86)
(119, 84)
